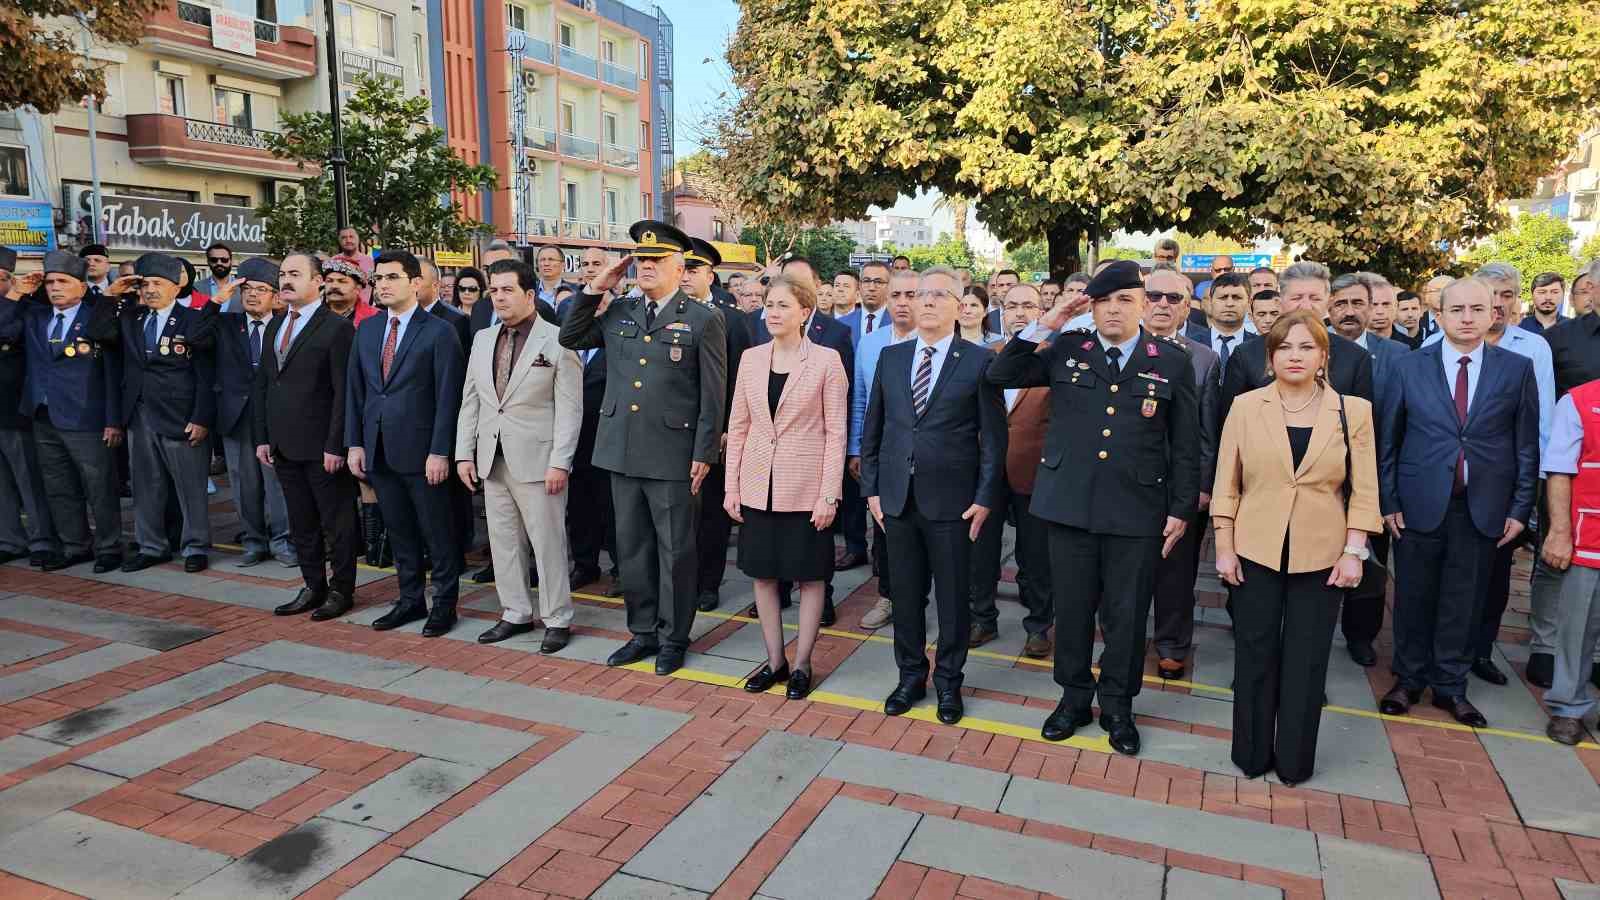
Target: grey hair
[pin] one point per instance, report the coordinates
(1372, 280)
(1459, 283)
(1350, 280)
(1168, 244)
(1438, 281)
(1591, 271)
(498, 244)
(1306, 270)
(1499, 271)
(946, 271)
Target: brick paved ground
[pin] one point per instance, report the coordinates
(164, 735)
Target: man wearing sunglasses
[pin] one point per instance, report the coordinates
(1220, 266)
(219, 260)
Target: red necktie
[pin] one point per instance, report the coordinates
(1461, 417)
(389, 345)
(288, 332)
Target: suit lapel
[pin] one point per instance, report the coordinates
(305, 334)
(1437, 379)
(800, 372)
(1278, 427)
(667, 311)
(958, 349)
(1488, 380)
(408, 336)
(537, 339)
(1322, 433)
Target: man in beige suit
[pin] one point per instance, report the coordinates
(520, 411)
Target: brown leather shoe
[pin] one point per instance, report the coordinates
(1398, 701)
(981, 635)
(1169, 668)
(1565, 730)
(844, 559)
(1038, 646)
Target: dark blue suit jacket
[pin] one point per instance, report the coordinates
(594, 395)
(170, 389)
(236, 378)
(1420, 437)
(958, 444)
(458, 320)
(83, 391)
(414, 412)
(1385, 353)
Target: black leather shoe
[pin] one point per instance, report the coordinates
(1398, 701)
(631, 652)
(764, 678)
(1462, 710)
(582, 576)
(669, 660)
(1362, 653)
(402, 613)
(196, 563)
(503, 629)
(56, 561)
(708, 601)
(981, 634)
(36, 560)
(848, 560)
(902, 698)
(1594, 677)
(1541, 669)
(484, 575)
(1120, 732)
(144, 561)
(828, 615)
(103, 564)
(950, 709)
(11, 556)
(337, 604)
(441, 619)
(1065, 722)
(555, 640)
(253, 558)
(303, 602)
(799, 684)
(614, 589)
(1486, 669)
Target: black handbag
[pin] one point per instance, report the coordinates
(1374, 577)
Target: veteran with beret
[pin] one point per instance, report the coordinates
(21, 488)
(660, 431)
(169, 403)
(74, 397)
(1118, 479)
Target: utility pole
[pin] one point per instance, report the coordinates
(97, 228)
(341, 187)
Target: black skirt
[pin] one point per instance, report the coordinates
(784, 545)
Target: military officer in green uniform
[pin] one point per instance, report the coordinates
(660, 431)
(1118, 480)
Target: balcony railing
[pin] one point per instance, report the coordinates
(230, 135)
(537, 138)
(616, 233)
(622, 78)
(579, 148)
(573, 61)
(532, 47)
(543, 225)
(622, 157)
(578, 228)
(199, 14)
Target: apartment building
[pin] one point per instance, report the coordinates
(887, 228)
(593, 79)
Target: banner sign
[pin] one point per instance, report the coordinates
(141, 223)
(1242, 262)
(27, 226)
(233, 32)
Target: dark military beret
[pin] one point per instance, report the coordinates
(159, 265)
(8, 259)
(1120, 275)
(60, 262)
(93, 250)
(259, 268)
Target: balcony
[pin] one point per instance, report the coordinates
(282, 52)
(622, 157)
(613, 74)
(580, 229)
(160, 139)
(579, 148)
(542, 225)
(536, 137)
(617, 234)
(532, 47)
(578, 63)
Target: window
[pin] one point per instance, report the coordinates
(566, 35)
(569, 118)
(608, 51)
(365, 29)
(516, 17)
(645, 209)
(417, 58)
(644, 58)
(169, 95)
(608, 128)
(570, 191)
(115, 103)
(644, 136)
(232, 108)
(14, 171)
(718, 230)
(611, 207)
(232, 200)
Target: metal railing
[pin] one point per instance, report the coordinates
(616, 233)
(229, 135)
(539, 50)
(200, 14)
(617, 75)
(266, 32)
(578, 228)
(582, 64)
(579, 148)
(622, 157)
(536, 137)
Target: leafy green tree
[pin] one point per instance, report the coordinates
(828, 249)
(1033, 256)
(41, 49)
(1369, 131)
(946, 251)
(1532, 243)
(399, 167)
(1590, 250)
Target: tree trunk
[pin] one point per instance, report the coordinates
(1064, 257)
(958, 209)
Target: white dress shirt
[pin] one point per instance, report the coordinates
(297, 324)
(405, 322)
(1126, 346)
(68, 316)
(161, 315)
(1235, 340)
(1450, 357)
(941, 351)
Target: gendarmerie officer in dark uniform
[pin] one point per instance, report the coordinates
(660, 431)
(1119, 478)
(21, 488)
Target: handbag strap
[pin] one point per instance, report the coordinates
(1344, 426)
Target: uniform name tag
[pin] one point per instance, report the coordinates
(1154, 377)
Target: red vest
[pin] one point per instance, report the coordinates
(1586, 484)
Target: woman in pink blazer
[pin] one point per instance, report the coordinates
(785, 466)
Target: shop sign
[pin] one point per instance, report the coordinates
(27, 226)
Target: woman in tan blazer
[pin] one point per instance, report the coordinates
(785, 467)
(1289, 542)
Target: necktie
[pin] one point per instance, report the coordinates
(389, 344)
(870, 317)
(502, 360)
(58, 328)
(255, 343)
(1461, 417)
(1114, 356)
(920, 384)
(288, 332)
(649, 314)
(1222, 355)
(150, 334)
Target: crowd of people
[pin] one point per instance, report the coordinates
(1335, 433)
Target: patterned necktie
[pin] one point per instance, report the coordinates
(1222, 355)
(649, 314)
(288, 332)
(920, 384)
(389, 344)
(502, 360)
(58, 328)
(150, 334)
(1114, 356)
(1461, 417)
(870, 317)
(255, 343)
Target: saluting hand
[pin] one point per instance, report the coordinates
(225, 290)
(612, 276)
(1173, 533)
(977, 514)
(1063, 312)
(23, 285)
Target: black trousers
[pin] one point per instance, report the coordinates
(1033, 565)
(986, 564)
(1363, 615)
(462, 514)
(853, 516)
(656, 524)
(938, 551)
(1496, 596)
(1282, 631)
(318, 504)
(712, 541)
(1174, 592)
(419, 514)
(880, 560)
(1441, 580)
(1109, 577)
(590, 525)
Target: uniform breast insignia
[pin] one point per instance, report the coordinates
(679, 326)
(179, 347)
(1087, 345)
(70, 350)
(1154, 376)
(1148, 408)
(677, 354)
(1150, 349)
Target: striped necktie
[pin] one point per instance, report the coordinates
(920, 384)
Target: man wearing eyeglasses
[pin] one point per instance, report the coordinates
(219, 259)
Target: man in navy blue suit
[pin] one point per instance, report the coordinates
(1458, 464)
(401, 398)
(1225, 314)
(933, 452)
(428, 298)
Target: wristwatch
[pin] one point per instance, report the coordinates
(1361, 553)
(831, 501)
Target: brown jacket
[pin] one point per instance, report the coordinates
(1027, 423)
(1263, 496)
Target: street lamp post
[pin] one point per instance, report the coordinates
(97, 223)
(341, 187)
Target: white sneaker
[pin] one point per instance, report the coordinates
(879, 615)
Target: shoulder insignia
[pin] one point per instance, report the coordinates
(1078, 331)
(1171, 340)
